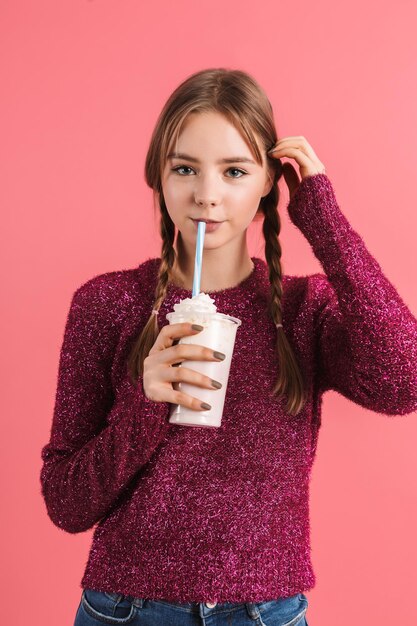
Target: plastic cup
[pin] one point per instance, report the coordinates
(219, 334)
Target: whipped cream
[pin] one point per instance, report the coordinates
(202, 303)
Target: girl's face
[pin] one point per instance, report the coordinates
(213, 175)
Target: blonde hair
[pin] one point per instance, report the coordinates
(237, 96)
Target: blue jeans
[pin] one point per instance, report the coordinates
(98, 607)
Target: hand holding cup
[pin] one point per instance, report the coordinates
(160, 372)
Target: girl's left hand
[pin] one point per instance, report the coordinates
(299, 149)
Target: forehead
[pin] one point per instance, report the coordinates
(210, 135)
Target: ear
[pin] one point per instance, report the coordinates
(157, 198)
(268, 183)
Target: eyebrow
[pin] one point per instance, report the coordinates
(187, 157)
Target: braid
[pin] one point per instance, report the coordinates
(167, 256)
(289, 380)
(271, 228)
(151, 329)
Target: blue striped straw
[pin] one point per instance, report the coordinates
(201, 231)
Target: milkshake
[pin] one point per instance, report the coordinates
(219, 334)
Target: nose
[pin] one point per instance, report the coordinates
(204, 203)
(205, 194)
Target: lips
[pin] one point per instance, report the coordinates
(200, 219)
(211, 227)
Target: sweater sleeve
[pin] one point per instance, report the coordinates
(96, 445)
(366, 336)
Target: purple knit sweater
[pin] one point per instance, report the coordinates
(198, 514)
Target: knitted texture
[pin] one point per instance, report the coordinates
(219, 514)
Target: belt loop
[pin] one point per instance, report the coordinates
(253, 610)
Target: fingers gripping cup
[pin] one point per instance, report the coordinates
(219, 334)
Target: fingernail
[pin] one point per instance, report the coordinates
(197, 327)
(219, 355)
(205, 406)
(216, 384)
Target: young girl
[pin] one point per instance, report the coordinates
(202, 526)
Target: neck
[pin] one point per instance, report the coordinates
(219, 270)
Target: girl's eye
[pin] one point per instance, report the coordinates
(236, 169)
(186, 167)
(180, 167)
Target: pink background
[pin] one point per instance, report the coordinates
(82, 85)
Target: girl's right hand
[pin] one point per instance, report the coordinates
(159, 373)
